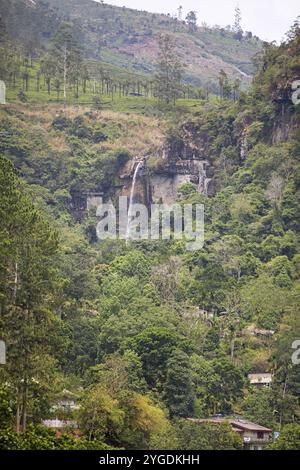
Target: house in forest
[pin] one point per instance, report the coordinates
(67, 401)
(260, 380)
(59, 423)
(63, 408)
(254, 436)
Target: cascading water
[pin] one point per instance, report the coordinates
(206, 185)
(129, 215)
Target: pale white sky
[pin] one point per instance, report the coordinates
(268, 19)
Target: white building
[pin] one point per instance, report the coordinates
(261, 380)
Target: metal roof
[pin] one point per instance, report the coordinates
(237, 424)
(247, 425)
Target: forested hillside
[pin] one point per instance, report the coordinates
(129, 38)
(142, 336)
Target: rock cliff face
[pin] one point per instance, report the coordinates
(172, 175)
(179, 161)
(182, 161)
(284, 126)
(285, 123)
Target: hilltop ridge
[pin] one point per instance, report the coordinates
(128, 38)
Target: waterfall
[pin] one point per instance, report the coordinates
(136, 171)
(202, 176)
(206, 185)
(244, 145)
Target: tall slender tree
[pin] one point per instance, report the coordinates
(237, 27)
(169, 71)
(67, 57)
(27, 277)
(191, 19)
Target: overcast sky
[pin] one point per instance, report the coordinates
(268, 19)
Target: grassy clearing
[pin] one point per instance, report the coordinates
(123, 104)
(138, 133)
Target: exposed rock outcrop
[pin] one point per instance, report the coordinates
(176, 166)
(161, 186)
(285, 123)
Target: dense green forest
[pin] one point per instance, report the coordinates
(146, 335)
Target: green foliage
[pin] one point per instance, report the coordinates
(100, 415)
(258, 407)
(169, 71)
(289, 438)
(155, 347)
(130, 418)
(6, 412)
(187, 189)
(144, 333)
(210, 436)
(106, 32)
(178, 389)
(40, 438)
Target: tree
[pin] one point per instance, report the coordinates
(207, 436)
(27, 274)
(203, 377)
(191, 19)
(178, 390)
(237, 28)
(155, 346)
(263, 301)
(96, 104)
(119, 373)
(287, 375)
(236, 88)
(259, 407)
(289, 438)
(218, 384)
(143, 421)
(3, 31)
(228, 388)
(224, 85)
(85, 76)
(6, 412)
(22, 96)
(66, 56)
(169, 71)
(179, 15)
(100, 415)
(48, 69)
(232, 319)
